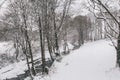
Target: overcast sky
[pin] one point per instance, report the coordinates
(3, 7)
(78, 7)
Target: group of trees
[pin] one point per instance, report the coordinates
(83, 27)
(109, 19)
(49, 23)
(45, 21)
(24, 17)
(51, 19)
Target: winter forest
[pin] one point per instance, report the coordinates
(59, 39)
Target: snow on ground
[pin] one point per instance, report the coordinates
(92, 61)
(13, 70)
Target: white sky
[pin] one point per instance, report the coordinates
(3, 7)
(78, 7)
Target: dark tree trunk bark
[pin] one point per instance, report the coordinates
(16, 46)
(80, 37)
(50, 47)
(42, 46)
(56, 37)
(29, 45)
(118, 48)
(56, 42)
(31, 55)
(25, 52)
(27, 60)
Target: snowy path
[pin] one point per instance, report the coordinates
(93, 61)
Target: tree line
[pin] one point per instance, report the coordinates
(46, 22)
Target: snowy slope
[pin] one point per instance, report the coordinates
(13, 70)
(93, 61)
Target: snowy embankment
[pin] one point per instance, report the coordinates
(13, 70)
(93, 61)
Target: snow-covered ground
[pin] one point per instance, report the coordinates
(17, 68)
(6, 48)
(13, 70)
(93, 61)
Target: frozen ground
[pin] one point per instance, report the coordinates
(17, 68)
(92, 61)
(13, 70)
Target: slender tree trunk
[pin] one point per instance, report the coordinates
(66, 48)
(56, 37)
(31, 55)
(118, 48)
(16, 46)
(42, 45)
(29, 45)
(50, 47)
(27, 60)
(82, 38)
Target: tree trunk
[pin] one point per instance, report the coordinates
(27, 60)
(42, 46)
(49, 47)
(29, 45)
(66, 48)
(56, 37)
(118, 48)
(82, 38)
(31, 55)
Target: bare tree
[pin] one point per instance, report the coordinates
(115, 19)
